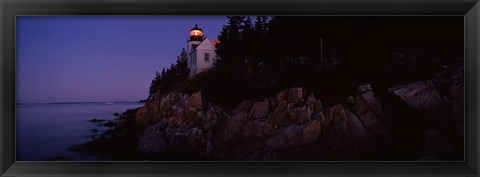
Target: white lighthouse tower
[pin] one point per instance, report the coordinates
(200, 52)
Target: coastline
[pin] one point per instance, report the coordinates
(416, 121)
(52, 128)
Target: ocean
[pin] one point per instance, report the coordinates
(44, 131)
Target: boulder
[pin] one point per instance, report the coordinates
(233, 126)
(299, 115)
(328, 115)
(280, 116)
(244, 106)
(337, 140)
(195, 102)
(152, 141)
(144, 116)
(295, 95)
(421, 95)
(158, 94)
(211, 117)
(175, 121)
(282, 95)
(293, 134)
(373, 104)
(370, 112)
(311, 132)
(260, 109)
(374, 124)
(154, 111)
(257, 129)
(317, 106)
(357, 129)
(273, 103)
(366, 101)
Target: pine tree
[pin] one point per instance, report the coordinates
(154, 85)
(258, 43)
(261, 26)
(181, 65)
(230, 49)
(248, 39)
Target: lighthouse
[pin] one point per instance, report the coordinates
(200, 52)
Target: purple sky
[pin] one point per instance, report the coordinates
(99, 58)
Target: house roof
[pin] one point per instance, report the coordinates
(206, 44)
(196, 28)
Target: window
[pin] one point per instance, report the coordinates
(207, 56)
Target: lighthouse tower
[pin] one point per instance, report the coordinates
(196, 37)
(200, 52)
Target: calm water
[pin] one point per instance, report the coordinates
(45, 131)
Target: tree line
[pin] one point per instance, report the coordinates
(166, 80)
(330, 56)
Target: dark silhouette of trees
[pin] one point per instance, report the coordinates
(166, 80)
(329, 56)
(240, 51)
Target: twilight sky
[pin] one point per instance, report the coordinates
(98, 58)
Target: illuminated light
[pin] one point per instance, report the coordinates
(215, 42)
(196, 33)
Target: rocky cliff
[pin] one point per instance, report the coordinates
(415, 121)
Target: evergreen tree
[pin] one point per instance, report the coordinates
(261, 26)
(227, 76)
(327, 55)
(166, 80)
(181, 66)
(154, 85)
(229, 48)
(247, 39)
(259, 38)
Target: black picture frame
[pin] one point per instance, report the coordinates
(11, 8)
